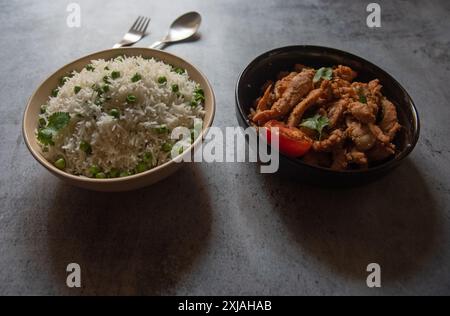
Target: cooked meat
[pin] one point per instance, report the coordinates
(378, 133)
(362, 112)
(327, 145)
(381, 151)
(297, 113)
(264, 100)
(352, 124)
(283, 83)
(357, 157)
(360, 134)
(296, 89)
(336, 112)
(374, 88)
(345, 73)
(389, 124)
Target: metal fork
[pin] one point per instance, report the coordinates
(135, 33)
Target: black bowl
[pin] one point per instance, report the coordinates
(268, 65)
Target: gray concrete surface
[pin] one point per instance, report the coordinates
(223, 228)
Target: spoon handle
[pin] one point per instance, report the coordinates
(156, 44)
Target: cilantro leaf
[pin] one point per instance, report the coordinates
(362, 97)
(45, 136)
(317, 123)
(58, 120)
(323, 73)
(199, 95)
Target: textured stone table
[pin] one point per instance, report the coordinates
(224, 228)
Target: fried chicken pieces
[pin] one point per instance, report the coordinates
(361, 123)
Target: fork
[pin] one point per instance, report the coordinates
(135, 33)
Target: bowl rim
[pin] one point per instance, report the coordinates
(386, 165)
(119, 51)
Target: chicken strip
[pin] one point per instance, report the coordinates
(282, 84)
(297, 113)
(345, 73)
(389, 123)
(381, 151)
(335, 139)
(264, 101)
(357, 157)
(378, 133)
(360, 134)
(297, 88)
(362, 112)
(336, 112)
(374, 88)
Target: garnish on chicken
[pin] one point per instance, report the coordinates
(343, 124)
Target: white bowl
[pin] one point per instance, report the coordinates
(42, 93)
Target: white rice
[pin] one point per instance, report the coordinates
(120, 143)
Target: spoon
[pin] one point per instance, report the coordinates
(181, 29)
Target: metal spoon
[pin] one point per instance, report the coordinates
(181, 29)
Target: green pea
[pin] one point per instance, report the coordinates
(98, 90)
(76, 89)
(100, 175)
(136, 78)
(86, 147)
(98, 101)
(63, 80)
(141, 167)
(115, 113)
(114, 173)
(105, 88)
(115, 74)
(166, 147)
(60, 163)
(106, 79)
(178, 70)
(93, 170)
(162, 80)
(148, 158)
(175, 88)
(162, 129)
(131, 98)
(124, 174)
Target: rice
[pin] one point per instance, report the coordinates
(114, 118)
